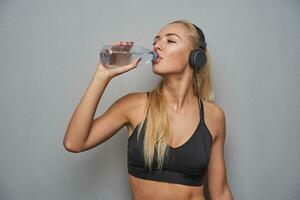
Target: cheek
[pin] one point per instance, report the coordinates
(178, 57)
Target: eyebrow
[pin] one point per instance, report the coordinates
(168, 34)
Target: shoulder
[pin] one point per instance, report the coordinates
(215, 119)
(135, 104)
(214, 109)
(134, 99)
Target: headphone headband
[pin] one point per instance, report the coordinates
(197, 57)
(202, 38)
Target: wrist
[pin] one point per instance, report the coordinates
(102, 75)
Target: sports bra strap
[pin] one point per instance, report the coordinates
(201, 111)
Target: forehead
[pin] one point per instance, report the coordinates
(176, 28)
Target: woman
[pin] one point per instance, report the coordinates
(176, 132)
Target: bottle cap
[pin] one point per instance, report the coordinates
(154, 56)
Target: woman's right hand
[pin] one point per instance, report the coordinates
(115, 71)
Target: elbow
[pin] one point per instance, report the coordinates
(222, 197)
(69, 147)
(225, 194)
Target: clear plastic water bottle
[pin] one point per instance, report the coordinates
(114, 56)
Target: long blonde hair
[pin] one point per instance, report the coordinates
(157, 129)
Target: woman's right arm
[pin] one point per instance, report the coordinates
(80, 124)
(84, 132)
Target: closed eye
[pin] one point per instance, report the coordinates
(169, 41)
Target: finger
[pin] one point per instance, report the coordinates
(116, 43)
(118, 46)
(120, 43)
(127, 46)
(130, 45)
(122, 46)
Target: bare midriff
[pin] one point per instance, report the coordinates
(149, 189)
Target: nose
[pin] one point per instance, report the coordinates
(157, 46)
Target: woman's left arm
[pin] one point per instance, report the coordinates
(218, 186)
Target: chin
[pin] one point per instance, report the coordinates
(159, 69)
(163, 70)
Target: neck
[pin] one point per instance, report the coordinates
(178, 92)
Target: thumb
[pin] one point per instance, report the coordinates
(134, 64)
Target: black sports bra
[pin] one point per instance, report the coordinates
(186, 164)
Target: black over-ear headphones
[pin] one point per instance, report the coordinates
(197, 57)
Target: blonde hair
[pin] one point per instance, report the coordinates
(157, 129)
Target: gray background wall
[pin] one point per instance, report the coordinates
(49, 51)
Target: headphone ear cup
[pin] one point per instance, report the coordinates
(197, 58)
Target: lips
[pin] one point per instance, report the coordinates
(157, 60)
(159, 56)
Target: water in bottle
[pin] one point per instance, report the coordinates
(115, 56)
